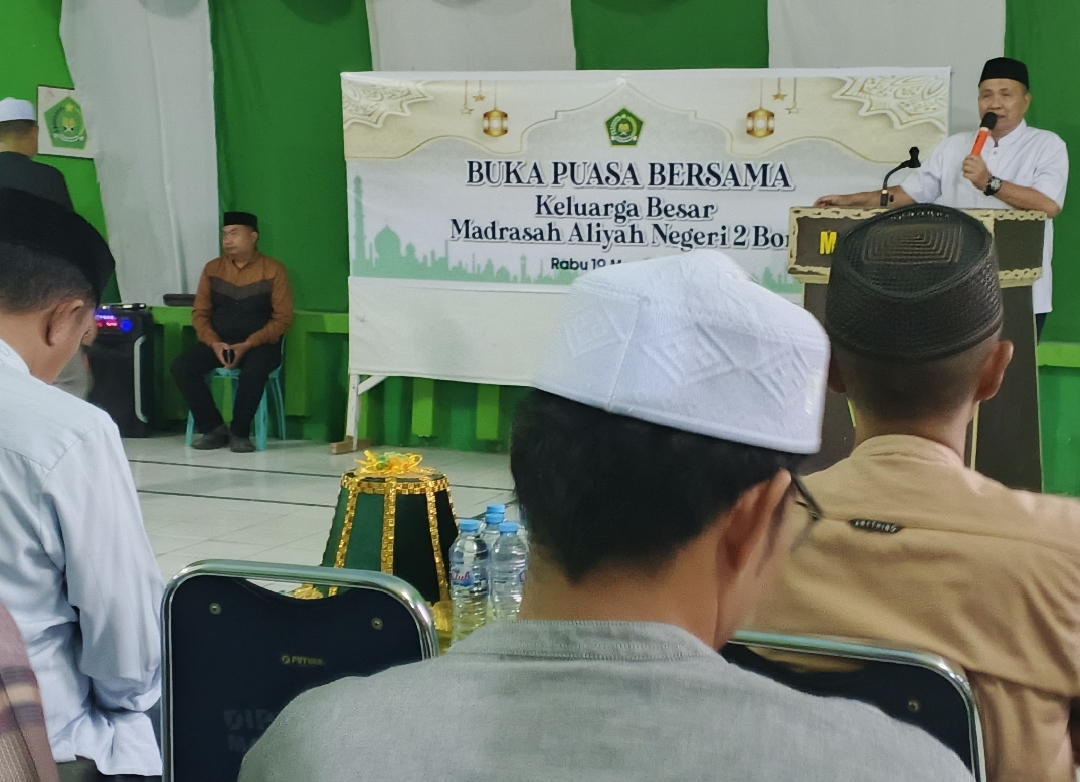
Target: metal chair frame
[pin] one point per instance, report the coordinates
(897, 655)
(400, 590)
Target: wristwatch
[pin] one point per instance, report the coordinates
(992, 186)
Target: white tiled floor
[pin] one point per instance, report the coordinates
(273, 506)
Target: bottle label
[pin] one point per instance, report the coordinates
(462, 577)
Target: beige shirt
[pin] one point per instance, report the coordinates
(982, 575)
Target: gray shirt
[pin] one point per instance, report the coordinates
(585, 701)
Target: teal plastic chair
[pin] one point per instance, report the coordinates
(273, 388)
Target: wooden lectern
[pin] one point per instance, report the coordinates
(1003, 441)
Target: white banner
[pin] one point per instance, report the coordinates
(144, 72)
(474, 199)
(961, 34)
(471, 35)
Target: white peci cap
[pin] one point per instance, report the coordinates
(693, 343)
(13, 108)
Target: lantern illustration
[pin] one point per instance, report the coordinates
(760, 122)
(495, 122)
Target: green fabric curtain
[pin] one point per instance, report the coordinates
(277, 96)
(665, 34)
(280, 149)
(1044, 36)
(278, 104)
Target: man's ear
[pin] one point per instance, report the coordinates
(750, 536)
(64, 319)
(993, 370)
(836, 380)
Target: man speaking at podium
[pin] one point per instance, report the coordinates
(1020, 167)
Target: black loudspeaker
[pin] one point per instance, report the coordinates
(122, 364)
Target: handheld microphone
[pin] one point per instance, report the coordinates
(989, 121)
(911, 162)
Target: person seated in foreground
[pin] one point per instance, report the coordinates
(26, 756)
(243, 307)
(76, 569)
(915, 548)
(655, 461)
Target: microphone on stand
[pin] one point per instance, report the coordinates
(989, 121)
(911, 162)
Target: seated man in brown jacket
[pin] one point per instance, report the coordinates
(242, 309)
(914, 547)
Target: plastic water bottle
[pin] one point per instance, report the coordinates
(469, 582)
(509, 559)
(496, 515)
(522, 531)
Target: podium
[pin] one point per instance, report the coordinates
(1004, 441)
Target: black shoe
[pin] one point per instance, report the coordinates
(218, 438)
(241, 445)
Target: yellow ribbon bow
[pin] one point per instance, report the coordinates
(391, 464)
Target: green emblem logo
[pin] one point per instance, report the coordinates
(65, 124)
(624, 129)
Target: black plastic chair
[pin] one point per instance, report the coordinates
(915, 687)
(235, 653)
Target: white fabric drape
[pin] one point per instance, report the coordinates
(962, 34)
(471, 35)
(144, 74)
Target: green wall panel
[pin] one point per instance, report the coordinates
(33, 55)
(1044, 35)
(277, 93)
(663, 34)
(1059, 390)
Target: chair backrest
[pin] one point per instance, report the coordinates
(235, 653)
(912, 686)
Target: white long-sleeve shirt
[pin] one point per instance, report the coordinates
(77, 573)
(1028, 157)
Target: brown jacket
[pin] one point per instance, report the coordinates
(233, 305)
(985, 576)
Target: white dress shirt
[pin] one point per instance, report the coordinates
(1028, 157)
(77, 573)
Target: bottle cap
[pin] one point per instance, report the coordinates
(498, 508)
(470, 525)
(508, 528)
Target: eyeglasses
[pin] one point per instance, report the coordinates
(804, 499)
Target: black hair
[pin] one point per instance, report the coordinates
(599, 488)
(16, 127)
(31, 280)
(895, 391)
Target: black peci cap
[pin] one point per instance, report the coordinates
(1005, 68)
(241, 218)
(913, 285)
(27, 220)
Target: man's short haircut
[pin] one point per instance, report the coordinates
(897, 392)
(31, 280)
(599, 488)
(16, 127)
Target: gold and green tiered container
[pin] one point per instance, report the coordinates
(396, 517)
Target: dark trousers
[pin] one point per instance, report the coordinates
(193, 365)
(1040, 321)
